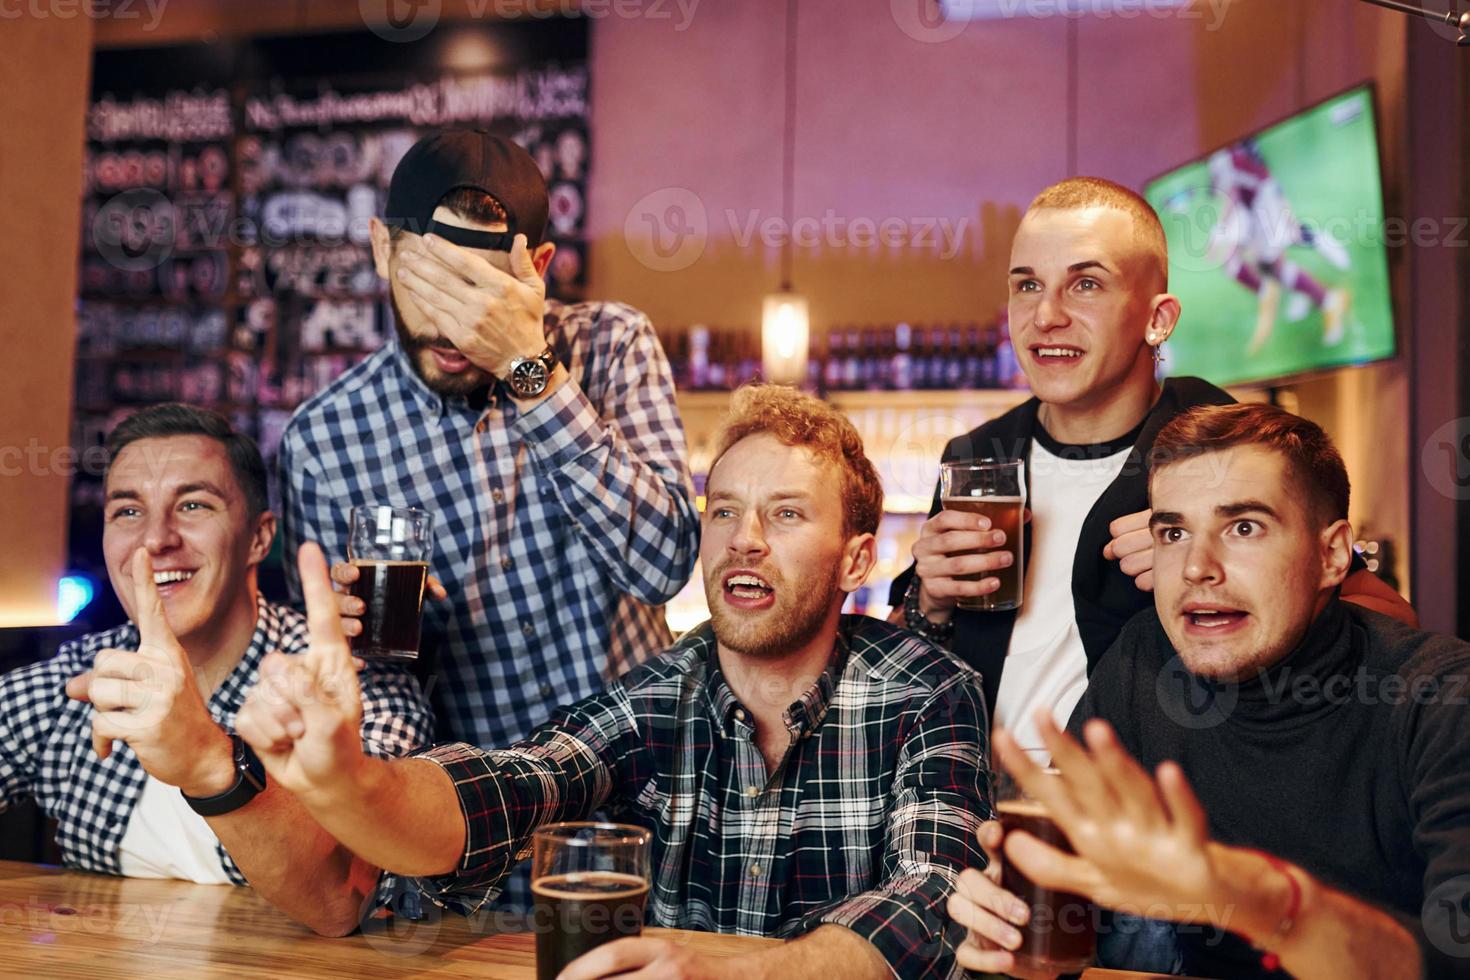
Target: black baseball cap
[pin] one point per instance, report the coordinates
(455, 158)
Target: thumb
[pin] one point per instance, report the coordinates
(153, 629)
(79, 688)
(520, 262)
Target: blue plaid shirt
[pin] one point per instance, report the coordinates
(554, 531)
(46, 738)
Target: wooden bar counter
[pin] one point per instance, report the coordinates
(59, 924)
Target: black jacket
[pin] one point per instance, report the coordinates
(1104, 597)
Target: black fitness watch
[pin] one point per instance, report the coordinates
(249, 783)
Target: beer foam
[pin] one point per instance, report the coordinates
(981, 499)
(367, 562)
(632, 886)
(1024, 808)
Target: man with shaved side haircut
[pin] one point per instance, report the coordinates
(1089, 308)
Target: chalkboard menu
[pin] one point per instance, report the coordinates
(228, 191)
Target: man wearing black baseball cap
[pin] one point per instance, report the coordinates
(544, 437)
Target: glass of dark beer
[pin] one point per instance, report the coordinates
(390, 547)
(589, 886)
(1061, 935)
(995, 489)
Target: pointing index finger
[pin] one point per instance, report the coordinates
(153, 629)
(328, 648)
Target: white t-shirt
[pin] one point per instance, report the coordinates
(1046, 663)
(167, 839)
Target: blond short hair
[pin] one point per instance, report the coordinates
(1080, 193)
(798, 419)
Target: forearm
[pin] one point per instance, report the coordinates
(630, 503)
(402, 815)
(1333, 934)
(826, 952)
(1365, 589)
(295, 864)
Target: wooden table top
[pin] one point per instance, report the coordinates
(60, 924)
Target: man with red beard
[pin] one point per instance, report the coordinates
(806, 775)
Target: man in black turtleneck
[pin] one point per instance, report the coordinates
(1327, 831)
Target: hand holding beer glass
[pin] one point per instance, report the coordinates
(976, 536)
(1017, 926)
(589, 883)
(388, 550)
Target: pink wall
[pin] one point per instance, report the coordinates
(963, 130)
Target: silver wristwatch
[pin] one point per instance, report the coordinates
(529, 376)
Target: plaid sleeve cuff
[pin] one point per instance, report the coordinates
(489, 853)
(562, 426)
(906, 921)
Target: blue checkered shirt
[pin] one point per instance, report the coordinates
(47, 737)
(866, 823)
(554, 531)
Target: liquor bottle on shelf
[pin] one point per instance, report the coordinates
(970, 376)
(989, 372)
(816, 356)
(901, 373)
(832, 367)
(872, 368)
(676, 348)
(954, 359)
(699, 357)
(716, 376)
(750, 359)
(852, 367)
(921, 361)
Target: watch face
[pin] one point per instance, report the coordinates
(528, 377)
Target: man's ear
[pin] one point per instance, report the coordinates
(1163, 317)
(541, 257)
(1337, 553)
(261, 537)
(382, 241)
(859, 558)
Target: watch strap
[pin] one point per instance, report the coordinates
(249, 783)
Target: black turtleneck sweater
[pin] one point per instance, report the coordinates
(1349, 758)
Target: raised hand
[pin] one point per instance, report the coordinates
(489, 315)
(304, 717)
(1141, 843)
(150, 699)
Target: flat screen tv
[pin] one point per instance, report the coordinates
(1277, 249)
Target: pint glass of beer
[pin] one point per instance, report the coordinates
(589, 886)
(1061, 935)
(995, 489)
(390, 547)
